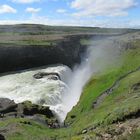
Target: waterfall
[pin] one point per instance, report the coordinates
(47, 91)
(58, 86)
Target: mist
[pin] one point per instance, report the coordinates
(101, 55)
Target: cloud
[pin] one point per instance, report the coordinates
(32, 10)
(7, 9)
(61, 11)
(25, 1)
(102, 7)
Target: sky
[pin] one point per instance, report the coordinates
(95, 13)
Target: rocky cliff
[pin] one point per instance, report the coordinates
(17, 57)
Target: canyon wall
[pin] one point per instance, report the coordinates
(17, 57)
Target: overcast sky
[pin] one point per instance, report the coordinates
(101, 13)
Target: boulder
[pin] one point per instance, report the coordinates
(9, 108)
(52, 75)
(31, 109)
(84, 131)
(136, 87)
(2, 137)
(7, 105)
(52, 123)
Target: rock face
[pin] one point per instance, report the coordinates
(27, 110)
(2, 137)
(40, 114)
(9, 108)
(18, 57)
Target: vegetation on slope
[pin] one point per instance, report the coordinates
(120, 103)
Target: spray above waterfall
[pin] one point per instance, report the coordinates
(99, 56)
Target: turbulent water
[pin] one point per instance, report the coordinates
(24, 86)
(61, 90)
(60, 93)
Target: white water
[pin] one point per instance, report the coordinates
(60, 95)
(23, 86)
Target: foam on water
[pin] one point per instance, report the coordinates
(23, 86)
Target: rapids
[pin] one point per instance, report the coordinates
(46, 91)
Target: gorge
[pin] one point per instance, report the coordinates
(59, 86)
(69, 83)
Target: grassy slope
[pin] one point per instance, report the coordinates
(86, 117)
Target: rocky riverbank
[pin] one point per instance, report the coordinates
(41, 114)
